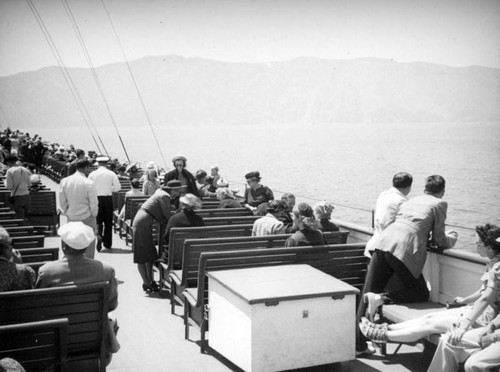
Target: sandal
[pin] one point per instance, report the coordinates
(378, 335)
(384, 325)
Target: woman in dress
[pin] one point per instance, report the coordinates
(257, 196)
(307, 228)
(151, 184)
(481, 306)
(158, 208)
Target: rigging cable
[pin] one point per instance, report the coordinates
(94, 74)
(67, 77)
(135, 82)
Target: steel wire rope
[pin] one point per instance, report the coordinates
(135, 83)
(348, 206)
(67, 77)
(94, 73)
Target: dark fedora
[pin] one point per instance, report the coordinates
(253, 176)
(173, 185)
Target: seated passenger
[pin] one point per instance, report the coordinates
(189, 204)
(257, 196)
(479, 349)
(134, 191)
(286, 216)
(203, 185)
(227, 198)
(270, 223)
(323, 212)
(307, 228)
(13, 275)
(482, 305)
(216, 180)
(77, 269)
(151, 184)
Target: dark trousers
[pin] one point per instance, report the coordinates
(383, 266)
(21, 206)
(105, 220)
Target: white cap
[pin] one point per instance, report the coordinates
(102, 159)
(76, 235)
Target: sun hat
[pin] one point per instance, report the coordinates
(253, 176)
(191, 201)
(76, 235)
(173, 185)
(179, 157)
(151, 165)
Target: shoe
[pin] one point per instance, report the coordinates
(99, 244)
(367, 351)
(147, 288)
(378, 335)
(154, 286)
(373, 302)
(365, 321)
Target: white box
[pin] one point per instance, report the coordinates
(281, 317)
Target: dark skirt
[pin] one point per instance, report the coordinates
(142, 243)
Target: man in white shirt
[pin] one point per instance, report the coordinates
(106, 182)
(78, 199)
(388, 204)
(17, 179)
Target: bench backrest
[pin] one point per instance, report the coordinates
(85, 306)
(210, 204)
(343, 261)
(179, 234)
(30, 255)
(12, 222)
(226, 212)
(7, 215)
(33, 241)
(43, 203)
(37, 346)
(193, 248)
(128, 204)
(234, 220)
(20, 230)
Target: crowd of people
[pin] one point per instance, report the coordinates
(404, 229)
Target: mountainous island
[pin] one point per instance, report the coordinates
(196, 91)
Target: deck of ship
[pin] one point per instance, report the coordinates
(152, 339)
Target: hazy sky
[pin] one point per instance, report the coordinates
(451, 32)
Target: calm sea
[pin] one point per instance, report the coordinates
(347, 164)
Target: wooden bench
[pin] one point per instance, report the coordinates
(176, 242)
(210, 204)
(37, 346)
(38, 255)
(187, 276)
(20, 230)
(85, 306)
(43, 210)
(7, 215)
(128, 217)
(343, 261)
(33, 241)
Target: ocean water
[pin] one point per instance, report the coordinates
(347, 164)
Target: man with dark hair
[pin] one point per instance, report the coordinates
(71, 167)
(401, 249)
(18, 180)
(78, 199)
(106, 183)
(387, 207)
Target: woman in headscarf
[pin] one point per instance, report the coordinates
(307, 228)
(323, 212)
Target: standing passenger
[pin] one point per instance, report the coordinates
(78, 199)
(18, 181)
(388, 205)
(156, 208)
(106, 182)
(181, 174)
